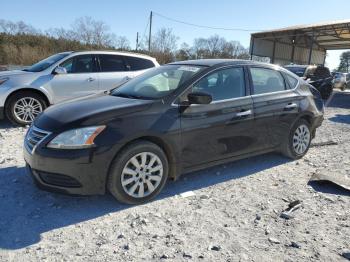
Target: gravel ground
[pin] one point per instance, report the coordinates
(228, 213)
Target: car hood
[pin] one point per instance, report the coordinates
(13, 73)
(87, 111)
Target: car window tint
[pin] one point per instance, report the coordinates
(79, 64)
(68, 65)
(136, 63)
(292, 81)
(111, 63)
(223, 84)
(266, 80)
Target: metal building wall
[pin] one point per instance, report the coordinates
(281, 53)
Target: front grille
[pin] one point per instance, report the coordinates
(57, 179)
(34, 137)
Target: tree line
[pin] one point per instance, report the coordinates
(22, 44)
(344, 65)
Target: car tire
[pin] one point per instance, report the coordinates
(299, 140)
(131, 180)
(18, 103)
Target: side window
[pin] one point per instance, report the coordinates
(111, 63)
(222, 84)
(79, 64)
(266, 80)
(68, 65)
(136, 63)
(292, 81)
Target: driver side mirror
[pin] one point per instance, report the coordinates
(59, 71)
(199, 98)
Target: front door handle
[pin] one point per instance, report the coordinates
(90, 79)
(290, 106)
(244, 113)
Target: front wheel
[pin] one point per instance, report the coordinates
(298, 141)
(138, 173)
(22, 108)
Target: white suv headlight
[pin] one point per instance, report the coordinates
(76, 138)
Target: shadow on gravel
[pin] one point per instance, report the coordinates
(340, 100)
(6, 124)
(328, 188)
(344, 119)
(26, 212)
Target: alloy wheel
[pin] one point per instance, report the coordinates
(142, 174)
(27, 109)
(301, 139)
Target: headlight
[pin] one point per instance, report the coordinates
(76, 138)
(3, 80)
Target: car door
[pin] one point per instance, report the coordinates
(223, 128)
(276, 105)
(113, 71)
(80, 80)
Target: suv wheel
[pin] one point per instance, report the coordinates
(22, 108)
(298, 141)
(138, 173)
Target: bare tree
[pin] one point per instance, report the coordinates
(184, 53)
(218, 47)
(14, 28)
(164, 44)
(93, 32)
(122, 43)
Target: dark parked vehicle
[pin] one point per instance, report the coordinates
(318, 76)
(177, 118)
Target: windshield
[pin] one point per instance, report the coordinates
(43, 64)
(158, 82)
(299, 71)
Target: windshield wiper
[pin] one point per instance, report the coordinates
(131, 96)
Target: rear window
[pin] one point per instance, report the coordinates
(267, 80)
(136, 63)
(111, 63)
(299, 71)
(292, 81)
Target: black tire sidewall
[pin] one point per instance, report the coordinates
(9, 108)
(291, 151)
(114, 180)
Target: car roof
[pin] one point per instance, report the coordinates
(106, 52)
(301, 66)
(219, 62)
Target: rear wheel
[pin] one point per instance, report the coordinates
(138, 173)
(23, 107)
(298, 141)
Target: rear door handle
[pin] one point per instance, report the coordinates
(291, 106)
(244, 113)
(90, 79)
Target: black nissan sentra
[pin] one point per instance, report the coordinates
(171, 120)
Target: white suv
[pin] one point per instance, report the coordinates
(25, 94)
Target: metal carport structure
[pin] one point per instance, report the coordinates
(304, 44)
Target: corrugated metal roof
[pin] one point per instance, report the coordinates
(345, 23)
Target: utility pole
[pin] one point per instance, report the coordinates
(150, 33)
(137, 40)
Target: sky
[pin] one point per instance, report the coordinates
(126, 18)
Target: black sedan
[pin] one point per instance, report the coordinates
(177, 118)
